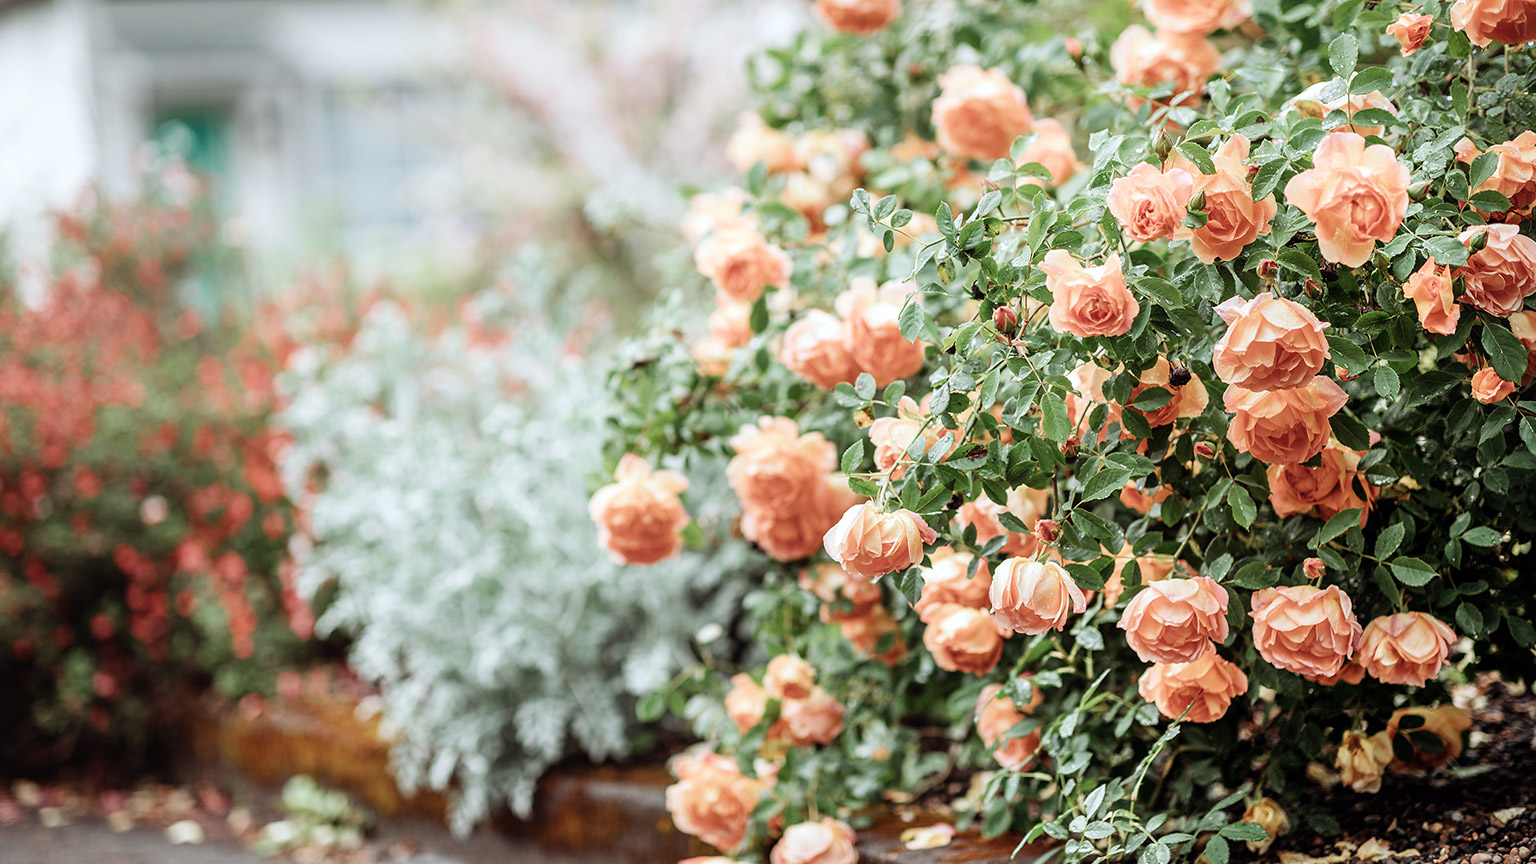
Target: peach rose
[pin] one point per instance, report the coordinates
(1361, 759)
(1188, 399)
(893, 435)
(1430, 290)
(1271, 343)
(1357, 194)
(816, 719)
(730, 324)
(1406, 648)
(1502, 274)
(712, 799)
(1088, 301)
(867, 633)
(1304, 629)
(1410, 31)
(1281, 426)
(815, 347)
(1194, 17)
(842, 595)
(825, 842)
(870, 542)
(1087, 393)
(745, 702)
(1174, 620)
(1269, 815)
(946, 581)
(1142, 59)
(1150, 204)
(1052, 149)
(639, 517)
(979, 113)
(1351, 673)
(1511, 22)
(1033, 597)
(1233, 218)
(710, 210)
(1142, 500)
(741, 263)
(1310, 103)
(755, 141)
(712, 359)
(1324, 490)
(1446, 722)
(790, 536)
(778, 471)
(872, 333)
(1205, 687)
(789, 677)
(996, 714)
(984, 513)
(1488, 387)
(1515, 175)
(1524, 326)
(860, 17)
(962, 639)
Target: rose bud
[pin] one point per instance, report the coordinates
(1314, 568)
(1005, 320)
(1047, 530)
(1205, 450)
(1069, 447)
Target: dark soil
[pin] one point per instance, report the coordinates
(1462, 814)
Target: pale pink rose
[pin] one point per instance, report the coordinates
(1362, 758)
(1194, 17)
(1052, 149)
(1446, 722)
(867, 633)
(712, 359)
(873, 334)
(1488, 387)
(861, 17)
(946, 581)
(1088, 301)
(712, 800)
(1150, 204)
(825, 842)
(1189, 399)
(1281, 426)
(1430, 290)
(730, 324)
(1502, 274)
(1034, 597)
(815, 347)
(962, 639)
(745, 702)
(984, 513)
(1030, 505)
(1205, 687)
(1233, 218)
(789, 677)
(1271, 343)
(1357, 194)
(979, 112)
(995, 715)
(1174, 620)
(893, 435)
(870, 542)
(1410, 31)
(1088, 381)
(1406, 648)
(1310, 103)
(1515, 175)
(1142, 59)
(1304, 629)
(1322, 491)
(741, 263)
(777, 470)
(832, 157)
(1511, 22)
(639, 517)
(755, 141)
(816, 719)
(710, 210)
(810, 197)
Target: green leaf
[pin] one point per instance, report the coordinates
(1374, 78)
(1199, 156)
(864, 386)
(1248, 831)
(1521, 631)
(1504, 351)
(1482, 168)
(758, 317)
(1056, 426)
(1347, 354)
(1470, 619)
(853, 457)
(1447, 251)
(912, 320)
(1412, 572)
(1483, 536)
(1243, 508)
(1217, 851)
(1299, 262)
(1388, 386)
(1342, 54)
(1109, 480)
(1337, 524)
(1389, 539)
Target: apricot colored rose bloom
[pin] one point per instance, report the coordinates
(710, 210)
(776, 469)
(1355, 193)
(1052, 149)
(730, 324)
(1174, 620)
(789, 677)
(1514, 176)
(816, 719)
(1271, 343)
(787, 536)
(1323, 490)
(639, 517)
(1142, 500)
(1187, 400)
(870, 542)
(1502, 274)
(1430, 290)
(825, 842)
(712, 799)
(815, 347)
(741, 263)
(1488, 387)
(1511, 22)
(873, 334)
(755, 141)
(995, 715)
(1150, 204)
(893, 435)
(1034, 597)
(984, 513)
(1282, 426)
(860, 17)
(962, 639)
(1143, 59)
(745, 702)
(1205, 687)
(1305, 629)
(1361, 759)
(1269, 815)
(1406, 648)
(1310, 103)
(1410, 31)
(1194, 17)
(1088, 301)
(949, 580)
(979, 112)
(1233, 218)
(868, 634)
(1446, 722)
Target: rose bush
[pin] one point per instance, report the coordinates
(1244, 373)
